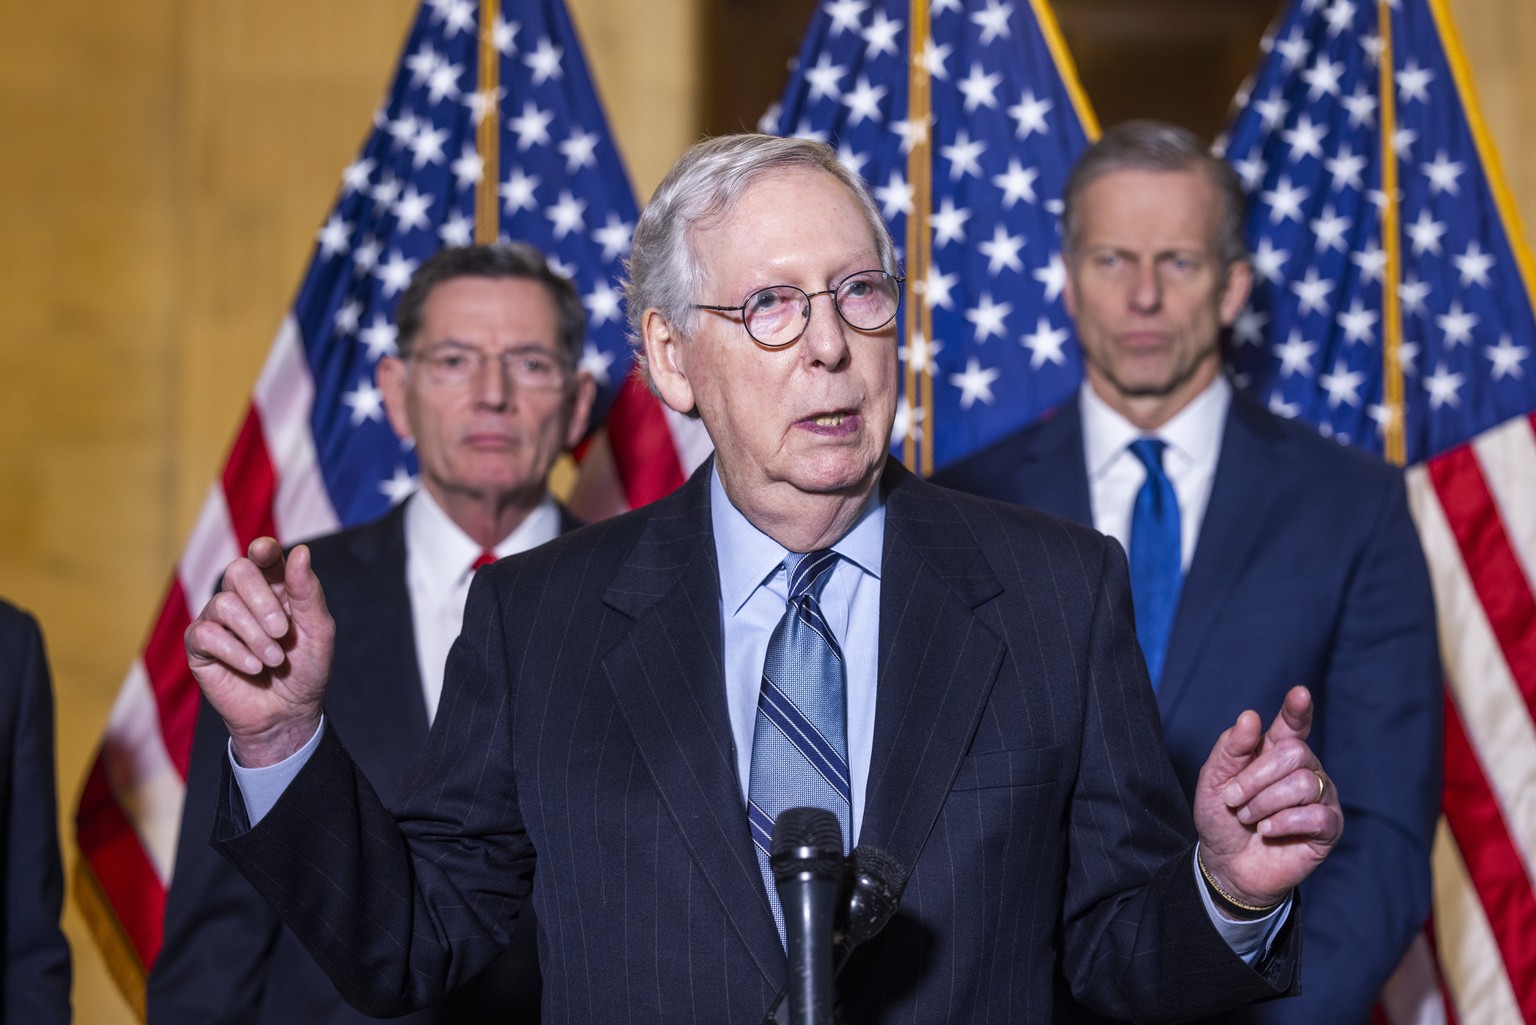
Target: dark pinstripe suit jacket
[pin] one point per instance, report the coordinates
(226, 959)
(583, 728)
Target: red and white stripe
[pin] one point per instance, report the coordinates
(130, 807)
(1475, 507)
(654, 448)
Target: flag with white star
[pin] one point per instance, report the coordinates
(1308, 146)
(315, 451)
(1416, 342)
(412, 190)
(1006, 120)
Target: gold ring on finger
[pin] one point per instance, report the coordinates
(1322, 786)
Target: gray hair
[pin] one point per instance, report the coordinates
(1156, 146)
(665, 273)
(500, 260)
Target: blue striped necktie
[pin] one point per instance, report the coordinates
(800, 744)
(1156, 573)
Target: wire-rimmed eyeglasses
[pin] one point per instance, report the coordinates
(777, 316)
(532, 367)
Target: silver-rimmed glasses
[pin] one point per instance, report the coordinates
(532, 367)
(777, 316)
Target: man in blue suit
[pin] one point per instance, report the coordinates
(615, 709)
(1289, 559)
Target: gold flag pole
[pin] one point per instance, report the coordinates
(488, 129)
(1395, 444)
(919, 318)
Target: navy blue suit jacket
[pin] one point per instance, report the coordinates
(226, 957)
(584, 730)
(34, 964)
(1307, 570)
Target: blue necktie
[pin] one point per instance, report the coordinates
(1155, 572)
(800, 744)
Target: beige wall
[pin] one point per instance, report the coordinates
(163, 165)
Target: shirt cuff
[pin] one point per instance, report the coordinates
(1249, 940)
(261, 788)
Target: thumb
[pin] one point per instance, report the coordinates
(306, 598)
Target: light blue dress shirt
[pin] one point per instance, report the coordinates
(753, 592)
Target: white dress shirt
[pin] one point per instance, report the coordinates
(1115, 475)
(439, 560)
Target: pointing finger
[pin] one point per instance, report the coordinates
(306, 598)
(1294, 718)
(1235, 750)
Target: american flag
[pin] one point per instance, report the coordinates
(463, 149)
(998, 119)
(1392, 309)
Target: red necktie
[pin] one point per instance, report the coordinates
(485, 558)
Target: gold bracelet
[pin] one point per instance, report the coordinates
(1227, 898)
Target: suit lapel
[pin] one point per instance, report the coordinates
(667, 676)
(1245, 487)
(390, 705)
(1052, 475)
(938, 662)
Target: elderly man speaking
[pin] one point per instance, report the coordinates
(804, 622)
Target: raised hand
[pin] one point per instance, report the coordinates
(261, 651)
(1266, 812)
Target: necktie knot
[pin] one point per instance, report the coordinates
(484, 559)
(1150, 452)
(809, 573)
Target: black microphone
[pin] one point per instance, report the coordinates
(874, 881)
(877, 881)
(807, 863)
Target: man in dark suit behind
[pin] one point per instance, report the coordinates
(606, 703)
(34, 976)
(1307, 567)
(486, 385)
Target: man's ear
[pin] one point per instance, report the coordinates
(665, 361)
(392, 376)
(581, 408)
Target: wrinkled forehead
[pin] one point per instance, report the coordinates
(736, 216)
(1174, 207)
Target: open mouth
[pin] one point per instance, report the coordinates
(833, 424)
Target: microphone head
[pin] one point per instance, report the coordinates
(806, 841)
(878, 882)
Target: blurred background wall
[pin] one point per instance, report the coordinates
(164, 166)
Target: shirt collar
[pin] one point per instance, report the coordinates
(748, 557)
(1193, 434)
(433, 540)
